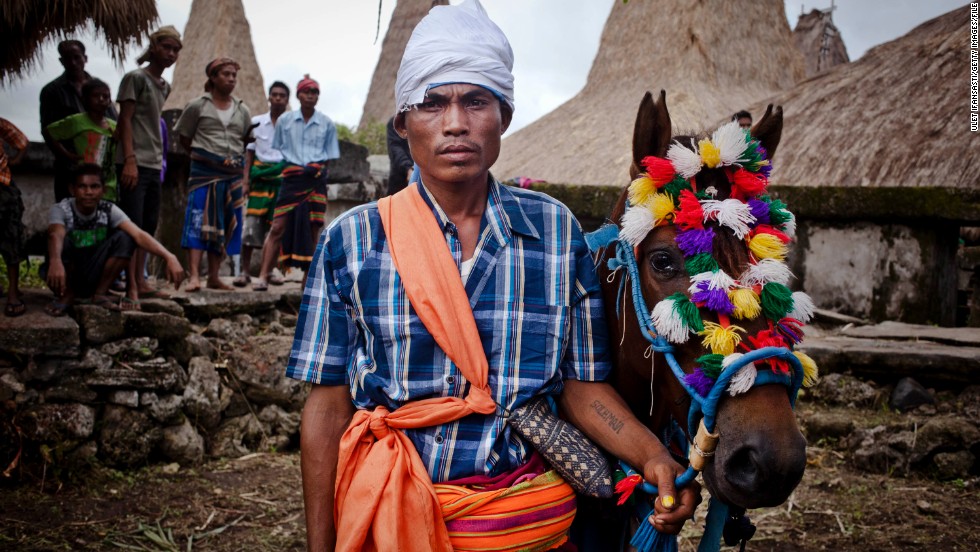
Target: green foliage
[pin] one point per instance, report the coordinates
(374, 136)
(29, 275)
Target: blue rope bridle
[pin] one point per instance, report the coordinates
(703, 408)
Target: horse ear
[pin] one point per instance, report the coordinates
(769, 129)
(651, 134)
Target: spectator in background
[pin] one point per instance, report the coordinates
(90, 241)
(400, 158)
(11, 210)
(61, 98)
(213, 127)
(139, 156)
(263, 176)
(91, 134)
(307, 140)
(744, 119)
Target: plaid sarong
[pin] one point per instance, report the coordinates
(302, 198)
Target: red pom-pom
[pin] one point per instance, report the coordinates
(746, 184)
(766, 229)
(688, 215)
(769, 338)
(626, 486)
(660, 170)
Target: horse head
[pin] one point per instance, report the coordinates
(709, 245)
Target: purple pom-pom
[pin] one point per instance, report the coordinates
(760, 210)
(715, 299)
(699, 381)
(696, 240)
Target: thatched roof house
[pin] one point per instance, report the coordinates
(713, 58)
(25, 26)
(818, 38)
(380, 102)
(217, 28)
(898, 116)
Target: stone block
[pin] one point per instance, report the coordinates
(231, 330)
(10, 385)
(237, 437)
(182, 444)
(260, 367)
(127, 436)
(954, 465)
(207, 304)
(99, 325)
(162, 408)
(165, 327)
(154, 375)
(352, 166)
(133, 348)
(202, 396)
(57, 422)
(36, 333)
(165, 306)
(191, 346)
(124, 397)
(70, 389)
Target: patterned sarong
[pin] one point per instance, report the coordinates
(303, 199)
(213, 220)
(263, 189)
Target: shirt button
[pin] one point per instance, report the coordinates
(439, 438)
(450, 380)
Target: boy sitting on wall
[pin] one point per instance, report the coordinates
(90, 241)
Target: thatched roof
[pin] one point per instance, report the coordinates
(820, 41)
(713, 58)
(380, 102)
(26, 25)
(217, 28)
(898, 116)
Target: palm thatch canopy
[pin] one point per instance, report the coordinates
(898, 116)
(380, 102)
(820, 41)
(26, 25)
(217, 28)
(713, 58)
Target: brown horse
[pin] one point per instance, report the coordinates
(761, 454)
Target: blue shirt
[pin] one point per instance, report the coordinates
(302, 143)
(535, 298)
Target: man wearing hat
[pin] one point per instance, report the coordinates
(139, 156)
(307, 140)
(430, 317)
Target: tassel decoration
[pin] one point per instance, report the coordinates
(641, 190)
(746, 184)
(689, 215)
(676, 186)
(790, 329)
(659, 170)
(720, 340)
(710, 156)
(714, 280)
(698, 381)
(777, 301)
(767, 246)
(694, 242)
(730, 140)
(662, 207)
(636, 224)
(686, 162)
(746, 302)
(765, 271)
(700, 263)
(742, 381)
(714, 299)
(767, 229)
(810, 372)
(669, 320)
(759, 210)
(711, 365)
(626, 486)
(803, 307)
(731, 213)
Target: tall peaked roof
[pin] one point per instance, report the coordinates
(898, 116)
(217, 28)
(820, 41)
(713, 58)
(380, 102)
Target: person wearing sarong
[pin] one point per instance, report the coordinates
(262, 177)
(431, 315)
(213, 128)
(307, 140)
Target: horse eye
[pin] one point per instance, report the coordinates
(663, 263)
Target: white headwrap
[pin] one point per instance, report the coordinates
(455, 44)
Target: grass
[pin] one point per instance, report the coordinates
(29, 274)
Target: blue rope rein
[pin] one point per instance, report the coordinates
(647, 538)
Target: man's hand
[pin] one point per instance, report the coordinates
(175, 272)
(56, 277)
(245, 188)
(130, 174)
(671, 508)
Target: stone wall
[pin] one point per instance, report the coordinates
(202, 376)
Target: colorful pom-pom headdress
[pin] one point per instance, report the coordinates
(666, 193)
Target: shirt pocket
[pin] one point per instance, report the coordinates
(529, 340)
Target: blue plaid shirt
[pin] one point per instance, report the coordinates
(535, 298)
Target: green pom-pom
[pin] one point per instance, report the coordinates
(687, 311)
(703, 195)
(702, 262)
(675, 186)
(777, 301)
(778, 213)
(711, 365)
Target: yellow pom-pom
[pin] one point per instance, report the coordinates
(720, 340)
(746, 303)
(767, 246)
(710, 154)
(810, 372)
(662, 207)
(642, 190)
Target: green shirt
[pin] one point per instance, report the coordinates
(93, 142)
(201, 123)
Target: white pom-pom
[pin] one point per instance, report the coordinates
(765, 271)
(669, 323)
(716, 280)
(743, 380)
(789, 227)
(687, 163)
(731, 213)
(730, 141)
(803, 307)
(637, 223)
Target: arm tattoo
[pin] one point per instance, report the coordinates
(614, 423)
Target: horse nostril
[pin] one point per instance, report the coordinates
(741, 470)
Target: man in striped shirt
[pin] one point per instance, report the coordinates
(526, 270)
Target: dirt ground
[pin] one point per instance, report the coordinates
(254, 503)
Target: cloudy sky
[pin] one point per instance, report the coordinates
(554, 42)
